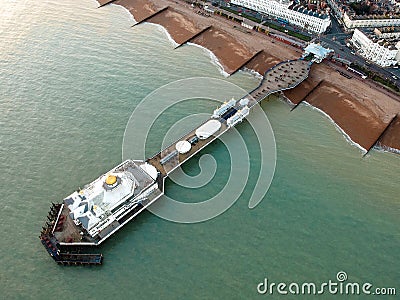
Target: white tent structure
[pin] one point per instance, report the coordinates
(183, 147)
(149, 169)
(208, 129)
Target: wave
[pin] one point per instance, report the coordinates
(131, 16)
(348, 138)
(289, 102)
(160, 27)
(216, 62)
(163, 29)
(214, 59)
(252, 72)
(388, 149)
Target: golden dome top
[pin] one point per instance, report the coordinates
(111, 179)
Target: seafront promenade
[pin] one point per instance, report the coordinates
(362, 111)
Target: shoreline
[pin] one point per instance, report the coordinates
(213, 58)
(338, 128)
(132, 17)
(165, 31)
(223, 69)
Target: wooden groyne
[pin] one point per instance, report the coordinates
(246, 62)
(152, 15)
(194, 36)
(382, 134)
(308, 94)
(104, 2)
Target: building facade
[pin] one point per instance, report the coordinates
(371, 21)
(337, 9)
(286, 10)
(382, 52)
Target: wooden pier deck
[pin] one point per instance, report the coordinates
(179, 159)
(62, 238)
(283, 76)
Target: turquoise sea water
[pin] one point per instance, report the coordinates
(70, 76)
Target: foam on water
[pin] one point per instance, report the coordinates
(63, 116)
(165, 31)
(387, 149)
(131, 17)
(252, 72)
(348, 138)
(214, 59)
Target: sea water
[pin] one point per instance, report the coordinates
(70, 76)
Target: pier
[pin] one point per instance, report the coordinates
(83, 221)
(283, 76)
(67, 238)
(71, 255)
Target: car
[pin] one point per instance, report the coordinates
(352, 52)
(394, 77)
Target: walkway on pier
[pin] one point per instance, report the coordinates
(178, 159)
(283, 76)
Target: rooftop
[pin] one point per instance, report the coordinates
(317, 50)
(103, 196)
(314, 10)
(375, 36)
(371, 9)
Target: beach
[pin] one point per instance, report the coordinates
(361, 109)
(73, 73)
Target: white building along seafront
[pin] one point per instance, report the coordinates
(352, 22)
(289, 11)
(378, 47)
